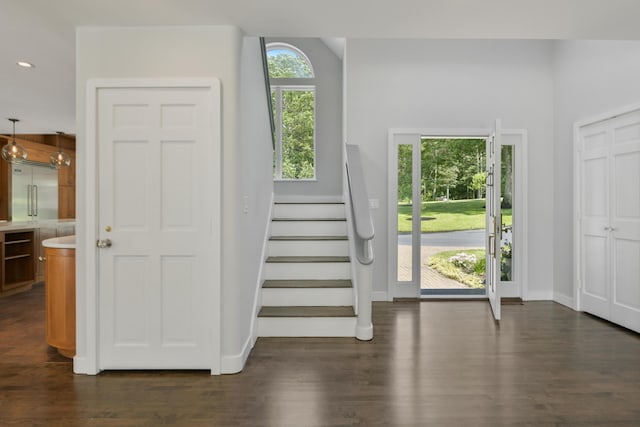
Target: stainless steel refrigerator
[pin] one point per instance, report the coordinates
(34, 192)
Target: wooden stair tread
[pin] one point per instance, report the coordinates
(301, 259)
(306, 311)
(297, 219)
(327, 284)
(308, 238)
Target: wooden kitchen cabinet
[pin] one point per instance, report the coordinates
(39, 149)
(60, 290)
(18, 259)
(43, 233)
(67, 190)
(49, 231)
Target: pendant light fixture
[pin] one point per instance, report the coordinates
(12, 152)
(60, 159)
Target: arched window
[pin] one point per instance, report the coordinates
(293, 96)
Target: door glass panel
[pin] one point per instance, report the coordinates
(405, 206)
(507, 203)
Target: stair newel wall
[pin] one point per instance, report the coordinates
(352, 251)
(360, 228)
(257, 298)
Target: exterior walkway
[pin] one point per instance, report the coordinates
(429, 278)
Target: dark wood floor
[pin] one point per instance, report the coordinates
(430, 364)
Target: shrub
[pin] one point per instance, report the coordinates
(464, 261)
(480, 267)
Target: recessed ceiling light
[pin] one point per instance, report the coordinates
(25, 64)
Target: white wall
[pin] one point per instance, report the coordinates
(328, 71)
(253, 180)
(592, 77)
(206, 51)
(456, 84)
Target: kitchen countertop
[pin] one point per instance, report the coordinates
(26, 225)
(64, 242)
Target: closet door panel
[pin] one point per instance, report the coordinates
(595, 298)
(625, 298)
(595, 221)
(625, 222)
(626, 186)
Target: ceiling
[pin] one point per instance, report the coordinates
(43, 31)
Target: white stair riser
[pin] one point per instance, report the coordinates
(307, 271)
(309, 228)
(307, 296)
(320, 210)
(307, 326)
(308, 248)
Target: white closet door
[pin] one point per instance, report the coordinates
(625, 221)
(157, 207)
(594, 192)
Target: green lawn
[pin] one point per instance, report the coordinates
(453, 215)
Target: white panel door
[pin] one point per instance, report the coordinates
(594, 194)
(494, 220)
(158, 196)
(625, 221)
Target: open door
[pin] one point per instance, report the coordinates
(494, 228)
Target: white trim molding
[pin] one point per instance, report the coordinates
(86, 360)
(235, 363)
(412, 136)
(576, 189)
(565, 300)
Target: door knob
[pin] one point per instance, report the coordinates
(106, 243)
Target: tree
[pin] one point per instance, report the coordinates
(449, 166)
(478, 183)
(507, 177)
(298, 134)
(287, 65)
(405, 173)
(297, 115)
(449, 176)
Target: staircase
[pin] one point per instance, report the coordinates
(307, 290)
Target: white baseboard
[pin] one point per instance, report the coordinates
(308, 199)
(234, 364)
(257, 297)
(564, 300)
(81, 366)
(379, 296)
(538, 296)
(406, 291)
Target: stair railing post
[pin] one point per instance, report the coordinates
(363, 233)
(364, 325)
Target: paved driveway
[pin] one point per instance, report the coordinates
(466, 239)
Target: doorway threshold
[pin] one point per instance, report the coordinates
(453, 293)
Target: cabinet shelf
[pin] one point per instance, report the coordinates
(18, 259)
(9, 258)
(13, 242)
